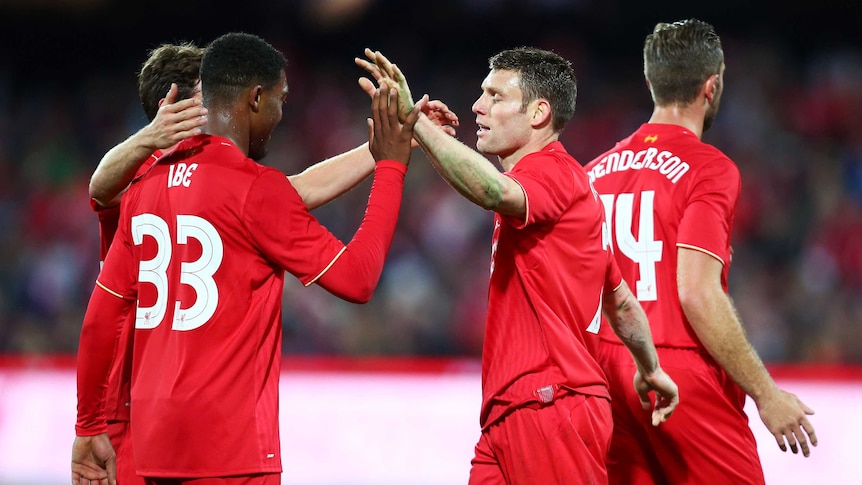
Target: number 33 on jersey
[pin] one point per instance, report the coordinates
(197, 274)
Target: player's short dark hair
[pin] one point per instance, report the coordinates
(236, 61)
(544, 75)
(678, 58)
(166, 64)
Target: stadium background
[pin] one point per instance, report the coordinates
(790, 118)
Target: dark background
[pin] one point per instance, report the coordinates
(790, 119)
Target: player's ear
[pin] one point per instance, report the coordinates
(254, 96)
(711, 87)
(541, 110)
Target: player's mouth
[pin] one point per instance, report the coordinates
(482, 129)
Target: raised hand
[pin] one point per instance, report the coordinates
(389, 139)
(176, 120)
(436, 111)
(667, 394)
(385, 72)
(786, 417)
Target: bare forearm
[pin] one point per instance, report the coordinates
(629, 322)
(467, 171)
(331, 178)
(118, 167)
(718, 327)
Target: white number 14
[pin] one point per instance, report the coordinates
(643, 250)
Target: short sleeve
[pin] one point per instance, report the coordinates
(119, 272)
(613, 277)
(708, 218)
(285, 232)
(549, 188)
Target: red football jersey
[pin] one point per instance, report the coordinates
(663, 188)
(118, 394)
(548, 274)
(203, 243)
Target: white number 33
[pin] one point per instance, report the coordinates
(197, 274)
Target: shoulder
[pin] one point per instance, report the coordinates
(709, 161)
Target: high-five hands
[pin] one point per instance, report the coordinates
(388, 138)
(436, 111)
(385, 72)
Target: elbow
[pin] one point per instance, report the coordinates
(101, 194)
(694, 301)
(491, 196)
(361, 297)
(360, 293)
(96, 192)
(489, 199)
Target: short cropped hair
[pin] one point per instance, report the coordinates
(236, 61)
(166, 64)
(544, 75)
(678, 58)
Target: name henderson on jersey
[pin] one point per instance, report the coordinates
(665, 162)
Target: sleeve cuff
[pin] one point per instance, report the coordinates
(400, 167)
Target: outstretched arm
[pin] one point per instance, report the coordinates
(629, 322)
(325, 181)
(713, 318)
(356, 272)
(173, 123)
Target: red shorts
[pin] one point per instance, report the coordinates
(260, 479)
(121, 438)
(563, 442)
(706, 440)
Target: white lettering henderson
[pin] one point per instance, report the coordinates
(665, 162)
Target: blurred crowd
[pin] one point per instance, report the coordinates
(790, 121)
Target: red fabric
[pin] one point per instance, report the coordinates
(692, 203)
(96, 352)
(564, 442)
(121, 438)
(207, 342)
(547, 275)
(118, 394)
(710, 429)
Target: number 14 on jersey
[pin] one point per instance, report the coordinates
(644, 250)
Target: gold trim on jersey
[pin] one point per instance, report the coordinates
(327, 266)
(688, 246)
(100, 285)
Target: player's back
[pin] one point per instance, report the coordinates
(663, 188)
(207, 338)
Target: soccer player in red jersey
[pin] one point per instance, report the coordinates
(669, 199)
(545, 416)
(204, 239)
(173, 69)
(179, 115)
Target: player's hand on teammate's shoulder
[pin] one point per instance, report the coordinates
(176, 120)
